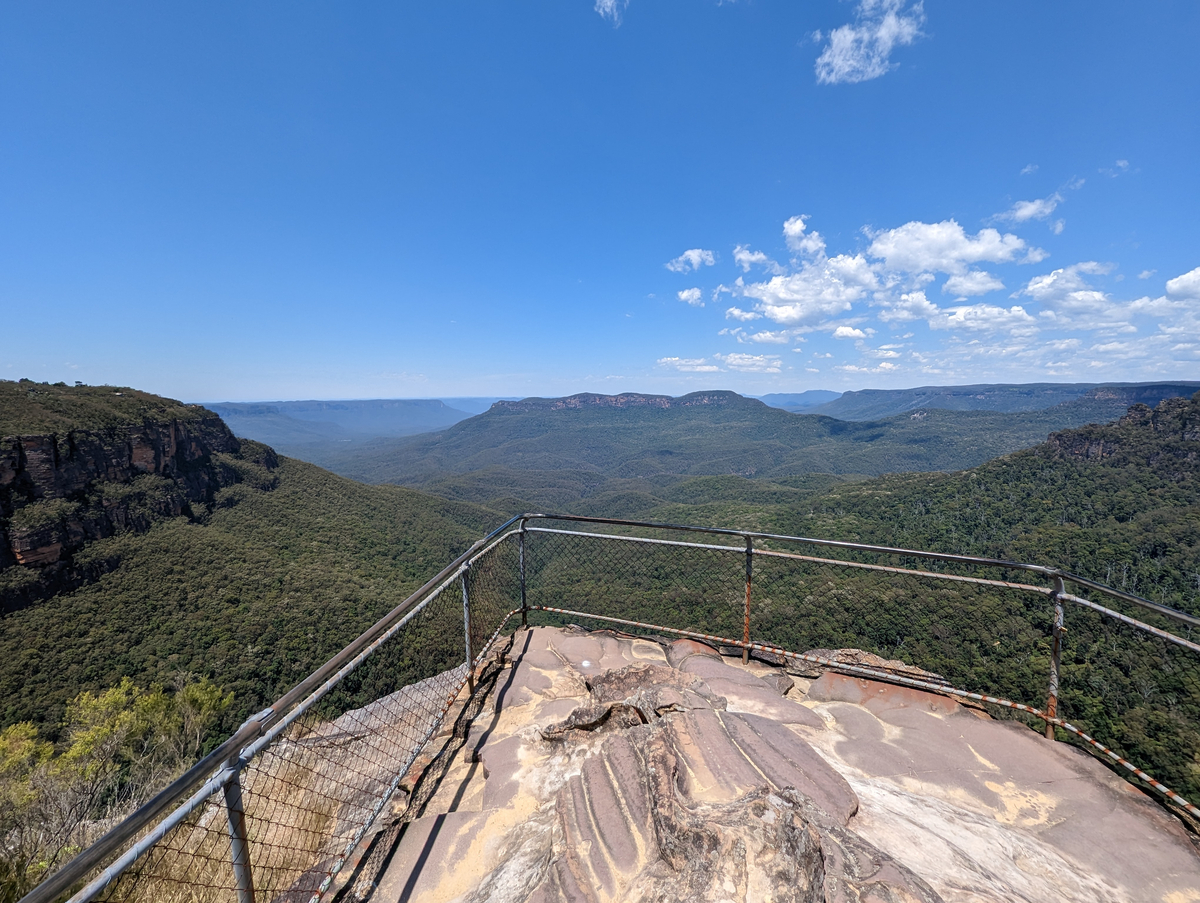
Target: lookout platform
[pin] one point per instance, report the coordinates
(605, 767)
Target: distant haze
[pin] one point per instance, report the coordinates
(291, 426)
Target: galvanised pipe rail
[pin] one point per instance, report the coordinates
(887, 569)
(255, 727)
(887, 550)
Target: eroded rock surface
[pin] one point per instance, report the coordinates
(611, 768)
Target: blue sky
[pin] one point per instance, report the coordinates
(293, 200)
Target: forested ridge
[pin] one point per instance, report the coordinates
(1117, 503)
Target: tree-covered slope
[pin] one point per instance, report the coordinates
(148, 542)
(1117, 502)
(29, 408)
(254, 596)
(874, 404)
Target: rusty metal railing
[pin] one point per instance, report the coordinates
(277, 809)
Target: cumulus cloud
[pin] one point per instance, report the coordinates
(766, 336)
(972, 317)
(884, 367)
(1066, 290)
(986, 318)
(862, 50)
(800, 240)
(691, 296)
(690, 260)
(1185, 286)
(745, 258)
(814, 293)
(751, 363)
(911, 306)
(975, 282)
(886, 285)
(944, 247)
(736, 313)
(1023, 211)
(689, 364)
(1146, 274)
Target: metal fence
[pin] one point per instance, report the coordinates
(278, 810)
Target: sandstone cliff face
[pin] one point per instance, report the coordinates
(59, 491)
(1167, 435)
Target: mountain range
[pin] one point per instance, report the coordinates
(575, 453)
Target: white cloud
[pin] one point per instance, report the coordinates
(884, 367)
(1057, 226)
(814, 293)
(745, 258)
(1119, 168)
(974, 317)
(986, 318)
(779, 337)
(1030, 168)
(975, 282)
(611, 9)
(751, 363)
(1146, 274)
(689, 364)
(861, 51)
(801, 241)
(1161, 307)
(944, 247)
(886, 286)
(736, 313)
(1066, 289)
(691, 260)
(911, 306)
(691, 296)
(1185, 286)
(1023, 211)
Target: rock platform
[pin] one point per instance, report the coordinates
(605, 767)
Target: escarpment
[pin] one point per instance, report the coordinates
(65, 487)
(1165, 438)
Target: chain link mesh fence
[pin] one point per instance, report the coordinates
(982, 628)
(310, 790)
(1133, 691)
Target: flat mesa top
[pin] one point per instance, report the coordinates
(610, 768)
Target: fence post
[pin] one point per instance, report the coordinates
(749, 578)
(239, 844)
(521, 558)
(467, 629)
(1055, 654)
